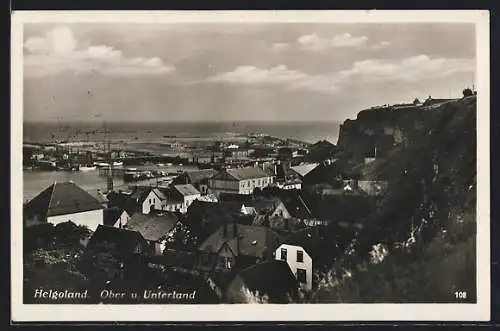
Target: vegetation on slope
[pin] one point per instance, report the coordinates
(419, 246)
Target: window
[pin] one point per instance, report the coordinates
(300, 256)
(301, 275)
(283, 254)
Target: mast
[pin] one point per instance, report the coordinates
(107, 151)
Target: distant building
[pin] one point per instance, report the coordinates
(154, 227)
(198, 178)
(63, 202)
(240, 180)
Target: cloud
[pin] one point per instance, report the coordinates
(281, 46)
(313, 42)
(278, 76)
(407, 70)
(381, 45)
(58, 52)
(412, 69)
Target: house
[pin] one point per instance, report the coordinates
(302, 170)
(122, 200)
(299, 262)
(198, 178)
(114, 253)
(188, 193)
(154, 228)
(322, 150)
(62, 202)
(286, 178)
(263, 209)
(204, 218)
(176, 198)
(116, 217)
(267, 282)
(239, 180)
(241, 245)
(153, 200)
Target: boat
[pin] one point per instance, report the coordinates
(101, 164)
(117, 163)
(88, 168)
(169, 164)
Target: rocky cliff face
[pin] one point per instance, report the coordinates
(425, 223)
(379, 130)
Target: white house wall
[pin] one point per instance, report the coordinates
(90, 219)
(294, 265)
(151, 200)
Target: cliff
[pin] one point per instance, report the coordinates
(420, 243)
(378, 130)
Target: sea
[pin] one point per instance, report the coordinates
(45, 132)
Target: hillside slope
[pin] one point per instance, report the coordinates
(420, 244)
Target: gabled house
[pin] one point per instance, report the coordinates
(197, 178)
(188, 193)
(154, 227)
(176, 198)
(266, 282)
(241, 245)
(63, 202)
(114, 253)
(116, 217)
(307, 250)
(299, 262)
(240, 180)
(204, 218)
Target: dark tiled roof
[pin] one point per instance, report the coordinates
(262, 205)
(296, 205)
(62, 199)
(124, 241)
(122, 201)
(249, 240)
(111, 215)
(186, 189)
(197, 176)
(153, 226)
(273, 278)
(247, 173)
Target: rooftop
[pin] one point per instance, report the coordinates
(187, 189)
(153, 227)
(274, 278)
(249, 240)
(247, 173)
(124, 241)
(62, 199)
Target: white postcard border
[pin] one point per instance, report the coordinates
(292, 312)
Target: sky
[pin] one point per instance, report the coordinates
(178, 72)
